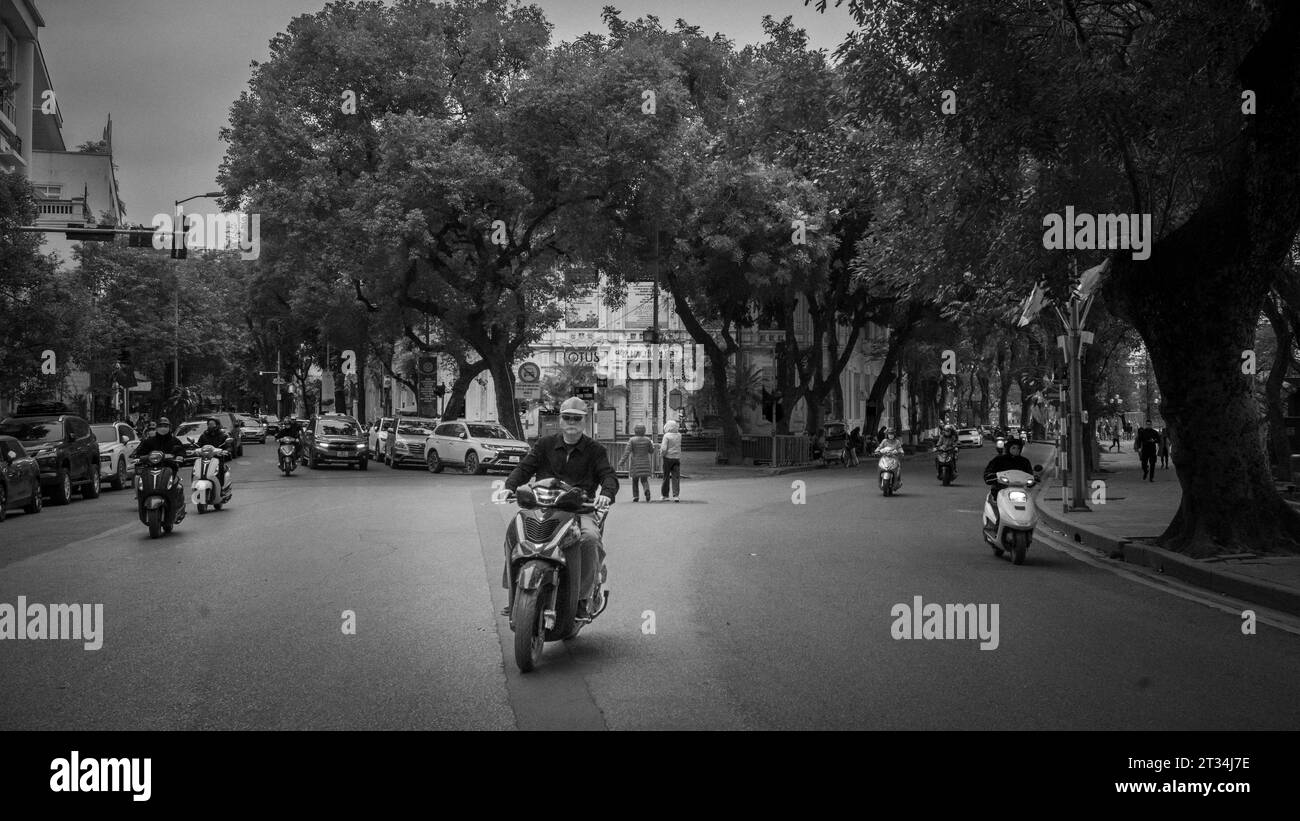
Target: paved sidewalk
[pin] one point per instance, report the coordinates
(1136, 511)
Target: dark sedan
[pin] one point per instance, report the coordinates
(20, 478)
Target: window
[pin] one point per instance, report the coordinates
(8, 59)
(50, 192)
(447, 430)
(489, 432)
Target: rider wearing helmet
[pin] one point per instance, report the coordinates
(948, 441)
(217, 436)
(1010, 460)
(891, 440)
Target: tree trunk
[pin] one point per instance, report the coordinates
(1187, 291)
(465, 374)
(1279, 443)
(503, 383)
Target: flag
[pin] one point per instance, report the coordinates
(1090, 279)
(1033, 304)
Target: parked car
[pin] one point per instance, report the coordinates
(406, 441)
(272, 424)
(377, 438)
(476, 446)
(116, 441)
(969, 438)
(20, 478)
(334, 437)
(65, 450)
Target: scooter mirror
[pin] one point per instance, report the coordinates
(1038, 468)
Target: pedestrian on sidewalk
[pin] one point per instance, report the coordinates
(1164, 447)
(670, 447)
(1147, 444)
(855, 446)
(1114, 438)
(638, 456)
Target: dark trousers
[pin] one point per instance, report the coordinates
(1148, 458)
(672, 471)
(639, 482)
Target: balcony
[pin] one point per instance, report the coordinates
(63, 211)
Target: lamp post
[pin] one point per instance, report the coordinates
(176, 296)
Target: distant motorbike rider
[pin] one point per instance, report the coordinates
(1010, 460)
(293, 430)
(217, 436)
(579, 460)
(948, 442)
(891, 441)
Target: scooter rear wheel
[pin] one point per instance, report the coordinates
(529, 629)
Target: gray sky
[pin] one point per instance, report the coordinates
(168, 70)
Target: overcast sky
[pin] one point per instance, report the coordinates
(168, 70)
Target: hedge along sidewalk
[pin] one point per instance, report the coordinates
(1135, 508)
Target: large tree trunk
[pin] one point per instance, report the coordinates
(1195, 304)
(503, 383)
(1279, 443)
(465, 375)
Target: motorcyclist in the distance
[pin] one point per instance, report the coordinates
(1010, 460)
(947, 441)
(577, 459)
(292, 429)
(891, 441)
(217, 436)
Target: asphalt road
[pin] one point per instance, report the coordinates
(735, 609)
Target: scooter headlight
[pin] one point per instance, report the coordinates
(155, 457)
(1018, 496)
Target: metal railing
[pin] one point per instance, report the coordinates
(774, 451)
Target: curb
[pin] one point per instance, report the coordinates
(1177, 566)
(1226, 582)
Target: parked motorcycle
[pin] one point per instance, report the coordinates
(543, 582)
(890, 467)
(945, 462)
(288, 452)
(159, 495)
(1010, 527)
(203, 479)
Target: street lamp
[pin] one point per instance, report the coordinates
(176, 296)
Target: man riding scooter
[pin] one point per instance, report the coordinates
(574, 457)
(216, 436)
(173, 450)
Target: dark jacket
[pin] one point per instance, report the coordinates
(217, 438)
(1005, 461)
(168, 444)
(587, 467)
(1148, 440)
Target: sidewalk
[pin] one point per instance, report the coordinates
(1135, 512)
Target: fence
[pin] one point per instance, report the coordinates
(776, 451)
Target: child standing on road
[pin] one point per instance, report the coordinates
(638, 457)
(671, 449)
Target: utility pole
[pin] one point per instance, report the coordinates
(654, 324)
(1074, 338)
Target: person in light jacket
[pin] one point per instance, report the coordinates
(639, 458)
(671, 449)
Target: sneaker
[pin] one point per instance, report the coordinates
(635, 499)
(675, 499)
(583, 613)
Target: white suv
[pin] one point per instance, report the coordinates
(475, 446)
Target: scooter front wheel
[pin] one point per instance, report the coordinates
(1019, 544)
(202, 509)
(529, 629)
(154, 518)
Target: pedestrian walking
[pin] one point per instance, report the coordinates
(1147, 445)
(855, 446)
(670, 447)
(639, 458)
(1164, 447)
(1114, 438)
